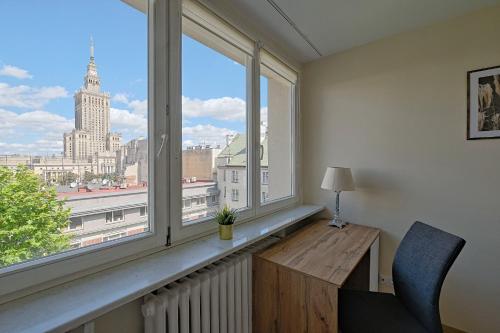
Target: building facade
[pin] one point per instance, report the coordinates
(132, 161)
(200, 162)
(232, 173)
(101, 215)
(53, 169)
(92, 137)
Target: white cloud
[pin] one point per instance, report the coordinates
(120, 98)
(34, 121)
(47, 127)
(139, 107)
(224, 108)
(206, 135)
(23, 96)
(13, 71)
(263, 122)
(39, 147)
(128, 123)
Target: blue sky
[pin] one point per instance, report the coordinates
(43, 57)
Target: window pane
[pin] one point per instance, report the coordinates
(73, 119)
(214, 141)
(276, 100)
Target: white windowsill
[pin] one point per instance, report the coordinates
(71, 304)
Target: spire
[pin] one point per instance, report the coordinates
(91, 48)
(91, 80)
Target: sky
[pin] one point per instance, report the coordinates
(43, 57)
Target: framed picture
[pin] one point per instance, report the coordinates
(483, 103)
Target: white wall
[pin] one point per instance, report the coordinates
(395, 111)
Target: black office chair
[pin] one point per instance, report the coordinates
(422, 261)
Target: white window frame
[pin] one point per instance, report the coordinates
(279, 66)
(235, 195)
(265, 177)
(214, 23)
(112, 213)
(26, 277)
(234, 176)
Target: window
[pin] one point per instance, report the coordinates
(234, 176)
(114, 236)
(220, 120)
(265, 177)
(114, 216)
(235, 194)
(62, 168)
(214, 122)
(75, 223)
(277, 100)
(118, 215)
(95, 167)
(188, 158)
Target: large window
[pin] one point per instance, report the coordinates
(100, 119)
(78, 121)
(214, 118)
(235, 148)
(76, 112)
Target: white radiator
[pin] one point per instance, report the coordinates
(215, 299)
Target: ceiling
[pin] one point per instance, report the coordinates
(315, 28)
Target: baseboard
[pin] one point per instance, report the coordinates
(449, 329)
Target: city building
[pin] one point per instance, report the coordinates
(199, 199)
(53, 169)
(106, 214)
(92, 136)
(200, 162)
(132, 161)
(232, 173)
(103, 214)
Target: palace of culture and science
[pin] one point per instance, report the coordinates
(91, 138)
(90, 147)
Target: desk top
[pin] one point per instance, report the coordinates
(322, 251)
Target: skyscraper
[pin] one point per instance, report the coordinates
(91, 137)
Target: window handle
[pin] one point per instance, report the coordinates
(164, 138)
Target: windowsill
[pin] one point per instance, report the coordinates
(71, 304)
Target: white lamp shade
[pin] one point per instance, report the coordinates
(338, 179)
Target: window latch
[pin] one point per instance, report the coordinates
(164, 138)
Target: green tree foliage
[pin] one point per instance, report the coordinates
(31, 217)
(68, 178)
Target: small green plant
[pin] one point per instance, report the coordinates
(225, 216)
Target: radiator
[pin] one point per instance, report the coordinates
(215, 299)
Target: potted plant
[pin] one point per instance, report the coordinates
(225, 217)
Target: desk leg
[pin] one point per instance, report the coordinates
(374, 253)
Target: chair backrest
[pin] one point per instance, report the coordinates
(422, 261)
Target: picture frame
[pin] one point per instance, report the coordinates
(483, 103)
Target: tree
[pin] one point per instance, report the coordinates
(68, 178)
(88, 176)
(31, 217)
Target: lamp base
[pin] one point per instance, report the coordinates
(336, 222)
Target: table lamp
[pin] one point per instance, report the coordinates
(337, 179)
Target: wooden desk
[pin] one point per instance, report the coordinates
(296, 281)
